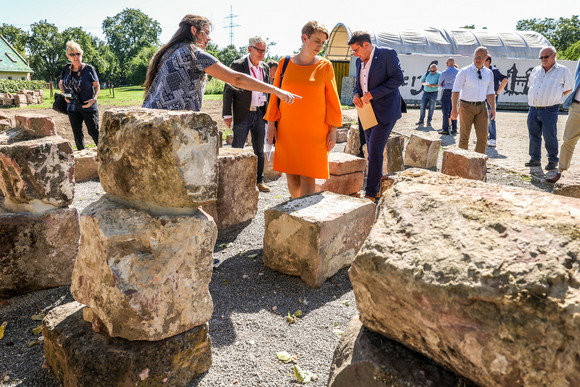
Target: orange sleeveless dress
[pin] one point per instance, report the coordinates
(304, 125)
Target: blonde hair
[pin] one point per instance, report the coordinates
(72, 46)
(312, 26)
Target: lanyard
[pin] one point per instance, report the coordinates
(254, 74)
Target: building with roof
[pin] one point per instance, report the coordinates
(514, 53)
(12, 64)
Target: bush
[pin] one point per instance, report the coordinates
(214, 86)
(14, 86)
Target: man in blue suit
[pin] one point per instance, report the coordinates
(379, 76)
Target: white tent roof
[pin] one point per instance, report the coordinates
(517, 44)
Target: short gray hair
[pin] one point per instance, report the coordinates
(551, 48)
(480, 49)
(256, 40)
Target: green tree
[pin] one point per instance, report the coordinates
(127, 33)
(15, 36)
(139, 65)
(573, 52)
(562, 33)
(47, 50)
(469, 27)
(229, 54)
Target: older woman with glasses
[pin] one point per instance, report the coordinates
(80, 85)
(177, 73)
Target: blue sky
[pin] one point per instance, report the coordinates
(282, 20)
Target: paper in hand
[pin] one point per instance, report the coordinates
(367, 117)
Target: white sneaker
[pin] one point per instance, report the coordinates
(491, 143)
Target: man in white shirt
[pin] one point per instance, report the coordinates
(547, 86)
(249, 107)
(473, 86)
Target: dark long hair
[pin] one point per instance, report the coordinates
(183, 35)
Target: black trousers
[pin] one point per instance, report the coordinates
(91, 120)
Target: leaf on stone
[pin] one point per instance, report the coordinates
(37, 330)
(298, 313)
(225, 282)
(33, 343)
(253, 256)
(37, 317)
(283, 356)
(337, 332)
(347, 302)
(335, 324)
(303, 376)
(2, 329)
(291, 318)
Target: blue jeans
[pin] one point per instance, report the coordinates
(446, 109)
(376, 138)
(255, 123)
(430, 98)
(491, 130)
(542, 122)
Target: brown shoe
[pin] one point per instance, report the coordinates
(372, 199)
(554, 178)
(263, 187)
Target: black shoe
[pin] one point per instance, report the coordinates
(554, 178)
(419, 123)
(454, 132)
(533, 163)
(429, 123)
(551, 166)
(443, 132)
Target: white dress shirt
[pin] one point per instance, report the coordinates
(364, 72)
(258, 98)
(470, 87)
(546, 88)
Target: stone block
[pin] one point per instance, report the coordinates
(146, 277)
(8, 101)
(348, 84)
(343, 163)
(387, 182)
(5, 121)
(80, 357)
(37, 251)
(269, 172)
(159, 157)
(464, 163)
(366, 359)
(36, 125)
(220, 138)
(237, 199)
(341, 135)
(341, 184)
(568, 185)
(229, 139)
(346, 125)
(422, 152)
(37, 171)
(393, 155)
(315, 236)
(479, 277)
(20, 100)
(86, 165)
(353, 142)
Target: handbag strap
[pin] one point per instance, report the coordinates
(284, 65)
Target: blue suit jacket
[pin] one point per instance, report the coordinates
(568, 101)
(385, 77)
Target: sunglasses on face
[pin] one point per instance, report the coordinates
(545, 57)
(75, 54)
(260, 51)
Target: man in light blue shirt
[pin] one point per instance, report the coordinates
(430, 89)
(446, 81)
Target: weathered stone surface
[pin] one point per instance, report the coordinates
(37, 251)
(353, 142)
(343, 163)
(387, 182)
(422, 152)
(269, 172)
(80, 357)
(220, 138)
(393, 154)
(315, 236)
(229, 139)
(146, 277)
(464, 163)
(366, 359)
(160, 157)
(568, 185)
(341, 184)
(341, 135)
(37, 125)
(8, 101)
(5, 121)
(481, 278)
(37, 170)
(86, 165)
(20, 100)
(237, 199)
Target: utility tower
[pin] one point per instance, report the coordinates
(230, 25)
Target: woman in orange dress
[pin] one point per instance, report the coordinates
(306, 129)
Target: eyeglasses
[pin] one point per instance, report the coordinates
(260, 51)
(75, 54)
(479, 74)
(432, 71)
(545, 56)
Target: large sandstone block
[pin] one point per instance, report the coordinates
(159, 157)
(366, 359)
(464, 163)
(146, 277)
(237, 199)
(353, 142)
(479, 277)
(568, 185)
(37, 125)
(20, 100)
(5, 121)
(39, 170)
(341, 135)
(422, 152)
(86, 165)
(343, 163)
(315, 236)
(80, 357)
(341, 184)
(393, 154)
(37, 251)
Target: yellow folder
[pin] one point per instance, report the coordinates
(367, 117)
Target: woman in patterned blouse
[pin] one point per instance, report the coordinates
(177, 73)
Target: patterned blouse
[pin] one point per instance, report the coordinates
(180, 82)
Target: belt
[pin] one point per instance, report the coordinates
(543, 107)
(472, 103)
(255, 108)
